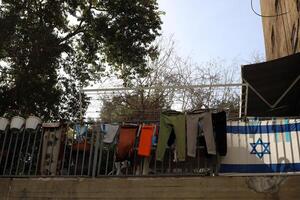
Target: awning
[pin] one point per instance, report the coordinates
(274, 87)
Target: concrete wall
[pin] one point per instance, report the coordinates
(281, 33)
(143, 188)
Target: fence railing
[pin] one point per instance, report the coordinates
(57, 150)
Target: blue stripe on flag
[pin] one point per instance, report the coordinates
(264, 129)
(259, 168)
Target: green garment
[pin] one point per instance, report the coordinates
(168, 122)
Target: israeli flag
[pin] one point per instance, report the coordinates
(262, 147)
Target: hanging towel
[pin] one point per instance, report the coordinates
(146, 140)
(110, 133)
(126, 142)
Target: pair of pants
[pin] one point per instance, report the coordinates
(167, 123)
(202, 121)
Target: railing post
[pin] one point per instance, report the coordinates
(96, 150)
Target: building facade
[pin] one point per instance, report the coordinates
(281, 21)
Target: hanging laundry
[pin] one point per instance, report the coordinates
(80, 129)
(126, 142)
(219, 125)
(169, 121)
(145, 143)
(155, 136)
(200, 122)
(261, 147)
(110, 131)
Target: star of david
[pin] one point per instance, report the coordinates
(265, 148)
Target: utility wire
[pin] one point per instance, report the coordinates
(252, 7)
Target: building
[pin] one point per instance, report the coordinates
(281, 27)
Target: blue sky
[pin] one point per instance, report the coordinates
(205, 30)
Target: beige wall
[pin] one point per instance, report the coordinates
(143, 188)
(285, 28)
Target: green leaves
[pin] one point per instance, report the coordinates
(53, 47)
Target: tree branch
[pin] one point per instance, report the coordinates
(79, 29)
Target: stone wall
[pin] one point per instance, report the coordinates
(145, 188)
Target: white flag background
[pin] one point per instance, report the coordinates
(262, 147)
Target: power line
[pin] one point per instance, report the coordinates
(255, 12)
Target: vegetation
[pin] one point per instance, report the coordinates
(51, 48)
(171, 70)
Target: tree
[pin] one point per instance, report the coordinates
(50, 48)
(144, 103)
(171, 70)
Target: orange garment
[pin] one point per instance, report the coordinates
(146, 140)
(126, 142)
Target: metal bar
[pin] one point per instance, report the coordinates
(80, 104)
(135, 148)
(64, 154)
(96, 153)
(114, 160)
(70, 155)
(84, 150)
(98, 128)
(3, 145)
(283, 140)
(127, 166)
(77, 152)
(100, 158)
(163, 87)
(21, 149)
(291, 142)
(246, 100)
(169, 161)
(155, 164)
(27, 146)
(39, 151)
(162, 164)
(14, 152)
(53, 143)
(297, 133)
(91, 151)
(107, 160)
(33, 150)
(8, 152)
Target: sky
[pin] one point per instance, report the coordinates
(212, 29)
(205, 30)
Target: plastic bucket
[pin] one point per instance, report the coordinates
(3, 123)
(32, 122)
(17, 122)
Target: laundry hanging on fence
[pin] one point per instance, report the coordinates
(262, 147)
(126, 142)
(219, 126)
(110, 131)
(200, 122)
(145, 143)
(171, 121)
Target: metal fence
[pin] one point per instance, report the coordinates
(56, 150)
